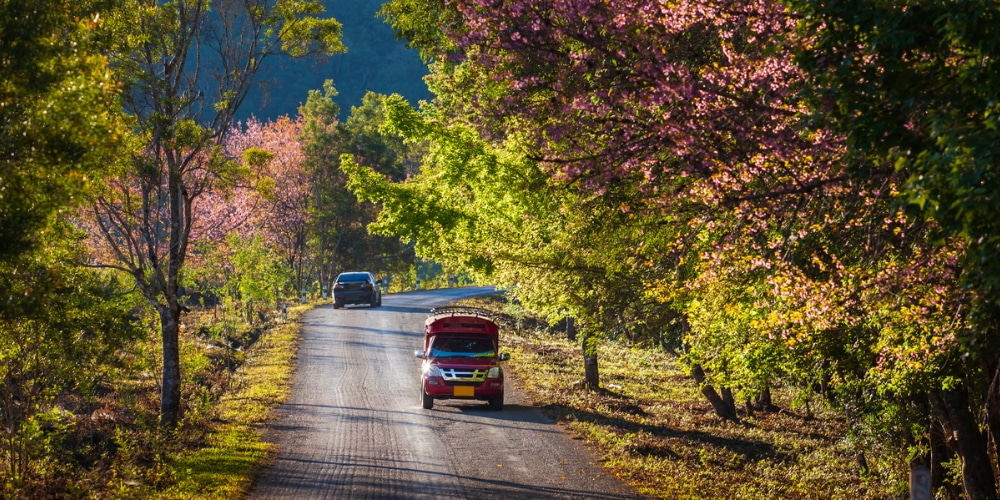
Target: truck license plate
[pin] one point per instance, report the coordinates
(465, 391)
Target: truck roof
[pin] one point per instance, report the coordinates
(460, 319)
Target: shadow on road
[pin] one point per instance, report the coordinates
(372, 331)
(510, 412)
(516, 415)
(366, 477)
(386, 308)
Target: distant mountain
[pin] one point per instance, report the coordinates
(374, 61)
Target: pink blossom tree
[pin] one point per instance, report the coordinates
(734, 208)
(275, 204)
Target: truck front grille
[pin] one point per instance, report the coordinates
(453, 375)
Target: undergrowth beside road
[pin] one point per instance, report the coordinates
(109, 444)
(653, 428)
(234, 448)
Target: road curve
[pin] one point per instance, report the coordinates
(354, 427)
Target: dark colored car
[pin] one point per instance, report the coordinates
(461, 357)
(357, 288)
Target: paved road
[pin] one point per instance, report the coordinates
(354, 428)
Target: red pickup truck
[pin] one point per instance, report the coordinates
(461, 357)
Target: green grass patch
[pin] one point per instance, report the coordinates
(234, 449)
(654, 429)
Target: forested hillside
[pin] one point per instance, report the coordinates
(375, 61)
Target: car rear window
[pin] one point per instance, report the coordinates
(352, 277)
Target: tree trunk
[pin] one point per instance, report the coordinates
(722, 409)
(764, 401)
(591, 374)
(727, 396)
(862, 461)
(952, 407)
(657, 338)
(332, 277)
(170, 395)
(940, 454)
(991, 372)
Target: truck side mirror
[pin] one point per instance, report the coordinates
(504, 356)
(419, 354)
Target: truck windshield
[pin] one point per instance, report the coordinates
(462, 348)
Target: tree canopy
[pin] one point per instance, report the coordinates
(58, 109)
(777, 181)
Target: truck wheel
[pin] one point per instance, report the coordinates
(425, 400)
(497, 403)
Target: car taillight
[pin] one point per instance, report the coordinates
(338, 286)
(366, 285)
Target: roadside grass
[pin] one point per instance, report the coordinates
(234, 449)
(654, 429)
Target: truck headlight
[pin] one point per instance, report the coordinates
(494, 372)
(432, 371)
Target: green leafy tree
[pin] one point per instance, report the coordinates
(422, 24)
(184, 104)
(58, 112)
(64, 335)
(62, 328)
(340, 241)
(492, 212)
(914, 85)
(259, 271)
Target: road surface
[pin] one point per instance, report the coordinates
(354, 427)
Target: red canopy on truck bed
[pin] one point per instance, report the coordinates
(461, 321)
